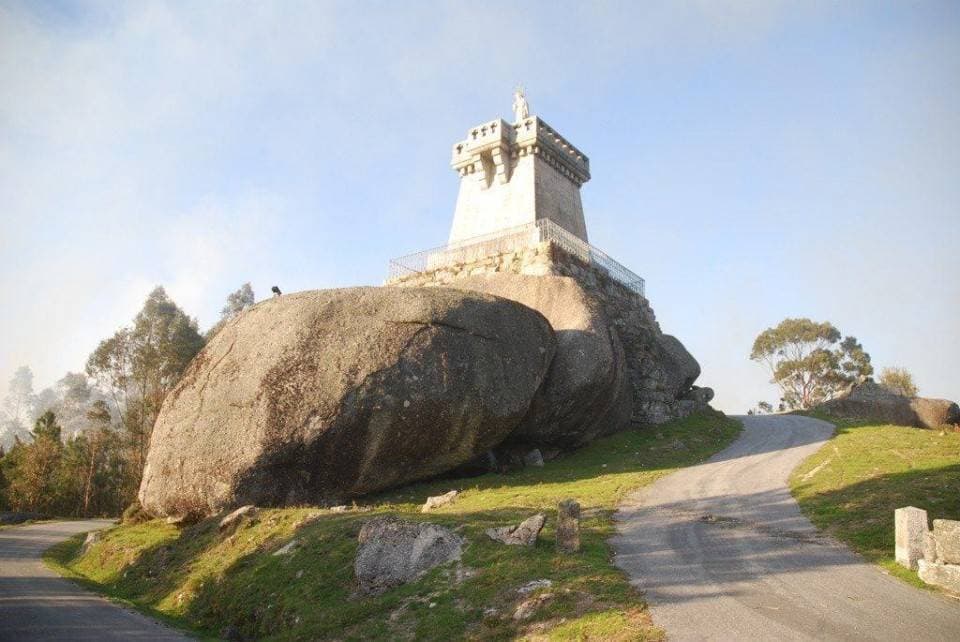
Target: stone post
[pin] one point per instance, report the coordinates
(568, 526)
(911, 524)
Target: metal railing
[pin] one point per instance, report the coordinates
(510, 240)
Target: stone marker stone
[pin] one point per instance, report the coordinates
(568, 526)
(946, 534)
(911, 524)
(943, 575)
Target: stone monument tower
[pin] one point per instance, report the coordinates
(519, 217)
(516, 174)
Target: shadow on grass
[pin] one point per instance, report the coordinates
(211, 580)
(861, 514)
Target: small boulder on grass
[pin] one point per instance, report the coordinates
(568, 526)
(233, 519)
(393, 552)
(533, 458)
(523, 534)
(439, 500)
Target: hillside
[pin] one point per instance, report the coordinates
(241, 586)
(851, 487)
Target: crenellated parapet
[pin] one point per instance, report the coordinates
(506, 143)
(516, 174)
(534, 136)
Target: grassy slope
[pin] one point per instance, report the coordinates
(206, 581)
(852, 485)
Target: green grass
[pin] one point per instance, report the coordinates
(206, 581)
(851, 486)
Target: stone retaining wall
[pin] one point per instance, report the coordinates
(659, 393)
(935, 554)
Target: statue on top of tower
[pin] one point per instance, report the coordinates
(521, 109)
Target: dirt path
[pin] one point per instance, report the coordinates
(37, 604)
(723, 553)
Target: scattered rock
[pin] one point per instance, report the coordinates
(92, 538)
(234, 518)
(699, 395)
(523, 534)
(534, 585)
(568, 526)
(299, 399)
(439, 500)
(393, 552)
(338, 509)
(287, 548)
(529, 606)
(533, 458)
(182, 519)
(462, 573)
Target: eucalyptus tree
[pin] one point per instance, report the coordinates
(811, 362)
(141, 363)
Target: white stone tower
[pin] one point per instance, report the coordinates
(517, 174)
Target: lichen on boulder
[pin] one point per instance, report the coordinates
(326, 395)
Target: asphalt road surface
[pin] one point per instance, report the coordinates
(37, 604)
(723, 553)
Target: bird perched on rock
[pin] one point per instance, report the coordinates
(276, 291)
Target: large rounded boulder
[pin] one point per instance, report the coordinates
(935, 413)
(587, 392)
(327, 395)
(869, 401)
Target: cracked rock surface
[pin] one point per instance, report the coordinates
(325, 395)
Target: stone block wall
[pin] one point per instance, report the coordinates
(661, 379)
(935, 554)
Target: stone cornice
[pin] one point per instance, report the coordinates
(530, 136)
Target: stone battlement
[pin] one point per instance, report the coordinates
(517, 174)
(505, 141)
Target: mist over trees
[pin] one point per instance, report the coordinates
(78, 447)
(18, 405)
(141, 363)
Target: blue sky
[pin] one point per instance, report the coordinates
(752, 160)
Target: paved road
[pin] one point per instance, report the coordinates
(723, 553)
(37, 604)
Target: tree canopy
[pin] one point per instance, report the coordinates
(140, 364)
(899, 380)
(84, 455)
(809, 361)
